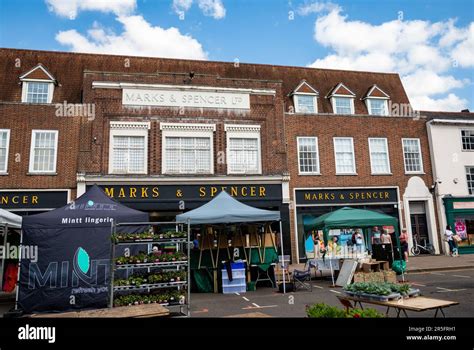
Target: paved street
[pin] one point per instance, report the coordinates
(455, 285)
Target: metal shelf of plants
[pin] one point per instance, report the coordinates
(159, 275)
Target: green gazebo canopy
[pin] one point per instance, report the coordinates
(350, 217)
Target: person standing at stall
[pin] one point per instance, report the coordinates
(376, 236)
(404, 244)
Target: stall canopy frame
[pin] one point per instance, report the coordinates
(224, 209)
(7, 220)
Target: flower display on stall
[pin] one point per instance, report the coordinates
(154, 278)
(147, 236)
(167, 297)
(151, 258)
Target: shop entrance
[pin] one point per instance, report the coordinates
(419, 222)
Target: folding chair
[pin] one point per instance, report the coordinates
(281, 269)
(302, 279)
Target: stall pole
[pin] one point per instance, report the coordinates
(283, 258)
(112, 266)
(2, 268)
(188, 304)
(19, 267)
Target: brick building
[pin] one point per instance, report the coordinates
(166, 135)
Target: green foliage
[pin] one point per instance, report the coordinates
(151, 258)
(163, 277)
(164, 297)
(322, 310)
(378, 288)
(148, 235)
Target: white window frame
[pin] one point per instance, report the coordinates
(462, 145)
(368, 102)
(318, 172)
(243, 132)
(24, 91)
(186, 130)
(333, 103)
(7, 150)
(389, 170)
(119, 128)
(354, 172)
(467, 180)
(297, 106)
(32, 156)
(421, 171)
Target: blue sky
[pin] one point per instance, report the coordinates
(430, 43)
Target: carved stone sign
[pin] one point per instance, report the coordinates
(192, 99)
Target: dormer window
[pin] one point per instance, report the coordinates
(342, 99)
(37, 85)
(305, 98)
(376, 101)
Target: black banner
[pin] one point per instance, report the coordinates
(347, 196)
(66, 253)
(32, 199)
(190, 196)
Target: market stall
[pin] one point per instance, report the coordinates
(347, 233)
(229, 228)
(10, 226)
(70, 269)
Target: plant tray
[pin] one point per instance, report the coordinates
(412, 293)
(375, 297)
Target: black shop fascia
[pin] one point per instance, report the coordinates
(314, 202)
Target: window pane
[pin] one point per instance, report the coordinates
(3, 150)
(305, 104)
(344, 155)
(37, 92)
(377, 107)
(188, 155)
(467, 140)
(343, 105)
(379, 156)
(308, 155)
(44, 151)
(128, 154)
(411, 151)
(470, 179)
(243, 155)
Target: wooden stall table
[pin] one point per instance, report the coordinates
(135, 311)
(417, 304)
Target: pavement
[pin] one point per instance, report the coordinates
(439, 263)
(424, 263)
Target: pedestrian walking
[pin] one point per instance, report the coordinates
(449, 237)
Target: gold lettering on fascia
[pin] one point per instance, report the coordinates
(352, 196)
(27, 199)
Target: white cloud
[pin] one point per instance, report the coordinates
(451, 103)
(139, 38)
(315, 7)
(211, 8)
(422, 52)
(70, 8)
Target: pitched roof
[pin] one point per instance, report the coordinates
(38, 72)
(375, 91)
(69, 68)
(305, 88)
(341, 89)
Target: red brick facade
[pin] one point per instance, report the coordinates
(84, 142)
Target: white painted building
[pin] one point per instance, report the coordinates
(452, 158)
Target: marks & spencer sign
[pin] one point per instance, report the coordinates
(346, 196)
(177, 98)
